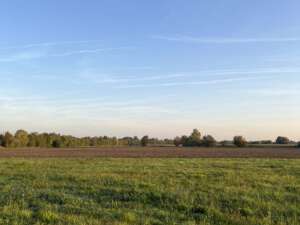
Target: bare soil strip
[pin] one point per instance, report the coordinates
(152, 152)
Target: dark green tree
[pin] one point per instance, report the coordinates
(282, 140)
(193, 140)
(184, 140)
(2, 140)
(209, 141)
(8, 140)
(145, 141)
(33, 140)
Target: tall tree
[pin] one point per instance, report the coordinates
(145, 141)
(33, 140)
(209, 141)
(194, 139)
(196, 135)
(239, 141)
(2, 140)
(282, 140)
(8, 140)
(21, 138)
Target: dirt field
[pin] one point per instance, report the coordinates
(153, 152)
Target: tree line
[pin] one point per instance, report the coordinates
(22, 138)
(195, 139)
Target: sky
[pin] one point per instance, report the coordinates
(160, 67)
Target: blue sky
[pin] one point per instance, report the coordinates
(160, 67)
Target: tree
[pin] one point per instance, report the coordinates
(8, 140)
(196, 135)
(136, 140)
(114, 141)
(145, 141)
(33, 140)
(239, 141)
(177, 141)
(209, 141)
(184, 140)
(193, 140)
(41, 140)
(21, 138)
(282, 140)
(2, 140)
(298, 145)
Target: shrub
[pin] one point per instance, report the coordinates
(282, 140)
(190, 142)
(239, 141)
(266, 142)
(209, 141)
(226, 143)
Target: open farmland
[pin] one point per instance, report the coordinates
(149, 191)
(154, 152)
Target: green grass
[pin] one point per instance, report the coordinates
(149, 191)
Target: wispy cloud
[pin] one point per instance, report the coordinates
(48, 44)
(134, 81)
(84, 107)
(202, 82)
(200, 40)
(87, 51)
(22, 56)
(104, 78)
(38, 54)
(276, 92)
(279, 70)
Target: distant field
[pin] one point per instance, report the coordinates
(155, 152)
(149, 191)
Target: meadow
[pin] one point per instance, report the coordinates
(149, 191)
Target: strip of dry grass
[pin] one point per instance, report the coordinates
(154, 152)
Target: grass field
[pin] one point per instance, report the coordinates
(149, 191)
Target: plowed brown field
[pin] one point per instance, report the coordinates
(152, 152)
